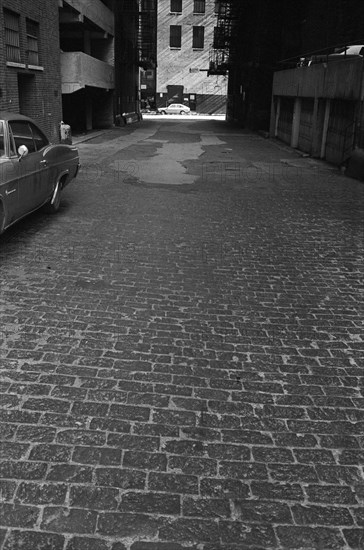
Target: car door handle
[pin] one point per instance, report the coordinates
(43, 163)
(10, 192)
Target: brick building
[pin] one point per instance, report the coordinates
(185, 35)
(87, 62)
(29, 62)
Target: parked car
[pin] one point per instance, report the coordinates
(33, 171)
(356, 50)
(175, 109)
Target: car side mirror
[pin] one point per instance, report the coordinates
(22, 151)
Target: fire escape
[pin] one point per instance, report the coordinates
(147, 34)
(141, 17)
(221, 51)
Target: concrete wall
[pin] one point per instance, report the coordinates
(80, 70)
(34, 91)
(187, 66)
(336, 79)
(317, 108)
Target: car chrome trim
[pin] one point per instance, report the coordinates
(10, 192)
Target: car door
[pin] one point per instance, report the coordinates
(41, 145)
(8, 177)
(173, 109)
(32, 168)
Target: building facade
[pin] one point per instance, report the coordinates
(87, 31)
(185, 36)
(30, 80)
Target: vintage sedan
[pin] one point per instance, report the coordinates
(33, 171)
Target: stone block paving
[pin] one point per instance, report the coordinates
(182, 366)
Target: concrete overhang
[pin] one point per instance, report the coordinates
(95, 11)
(79, 70)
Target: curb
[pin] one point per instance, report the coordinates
(81, 139)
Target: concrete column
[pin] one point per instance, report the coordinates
(88, 108)
(87, 42)
(325, 128)
(296, 121)
(278, 114)
(274, 116)
(315, 128)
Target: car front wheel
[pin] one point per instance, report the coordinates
(163, 113)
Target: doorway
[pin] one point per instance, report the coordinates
(26, 94)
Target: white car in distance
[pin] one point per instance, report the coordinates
(175, 109)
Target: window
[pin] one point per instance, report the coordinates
(219, 42)
(176, 6)
(198, 37)
(12, 43)
(217, 5)
(148, 5)
(32, 42)
(175, 36)
(39, 138)
(22, 135)
(199, 6)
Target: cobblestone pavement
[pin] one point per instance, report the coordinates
(182, 357)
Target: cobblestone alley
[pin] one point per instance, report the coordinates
(182, 350)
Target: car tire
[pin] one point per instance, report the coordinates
(52, 208)
(182, 112)
(163, 113)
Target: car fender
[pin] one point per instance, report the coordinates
(64, 174)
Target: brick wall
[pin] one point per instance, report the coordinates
(35, 92)
(187, 66)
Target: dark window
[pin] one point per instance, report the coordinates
(219, 42)
(176, 6)
(199, 6)
(32, 42)
(148, 5)
(175, 36)
(198, 37)
(217, 4)
(22, 135)
(40, 139)
(12, 43)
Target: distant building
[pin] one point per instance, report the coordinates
(30, 81)
(87, 30)
(185, 35)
